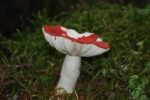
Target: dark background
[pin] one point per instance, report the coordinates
(14, 13)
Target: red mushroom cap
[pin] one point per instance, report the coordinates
(91, 39)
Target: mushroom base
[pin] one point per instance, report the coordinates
(69, 74)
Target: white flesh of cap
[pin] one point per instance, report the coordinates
(74, 34)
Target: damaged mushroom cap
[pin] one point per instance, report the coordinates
(70, 42)
(75, 46)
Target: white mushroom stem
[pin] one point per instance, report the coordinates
(69, 73)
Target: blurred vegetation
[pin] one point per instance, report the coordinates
(30, 68)
(15, 12)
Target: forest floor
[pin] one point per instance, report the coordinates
(30, 67)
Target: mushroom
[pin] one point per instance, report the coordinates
(75, 46)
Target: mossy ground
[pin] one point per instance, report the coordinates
(30, 68)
